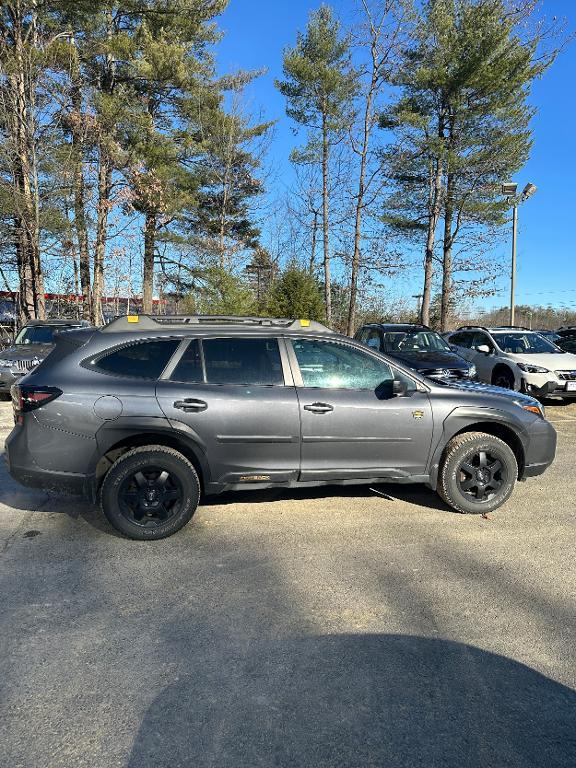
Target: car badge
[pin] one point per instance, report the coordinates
(418, 414)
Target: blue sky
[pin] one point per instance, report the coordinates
(257, 31)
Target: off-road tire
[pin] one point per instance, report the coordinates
(148, 459)
(461, 450)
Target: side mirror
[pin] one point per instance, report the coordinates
(484, 348)
(399, 388)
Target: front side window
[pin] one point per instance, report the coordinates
(461, 339)
(481, 339)
(336, 366)
(243, 361)
(143, 360)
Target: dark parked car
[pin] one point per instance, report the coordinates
(418, 347)
(568, 344)
(34, 342)
(146, 416)
(550, 335)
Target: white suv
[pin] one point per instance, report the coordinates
(517, 358)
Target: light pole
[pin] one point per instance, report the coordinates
(510, 191)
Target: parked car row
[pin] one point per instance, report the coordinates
(147, 415)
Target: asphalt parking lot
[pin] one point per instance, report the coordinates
(351, 627)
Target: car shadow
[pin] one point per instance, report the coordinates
(355, 701)
(419, 495)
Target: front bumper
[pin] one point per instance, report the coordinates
(540, 449)
(541, 385)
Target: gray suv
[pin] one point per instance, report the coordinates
(147, 415)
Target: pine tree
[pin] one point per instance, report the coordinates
(319, 85)
(465, 116)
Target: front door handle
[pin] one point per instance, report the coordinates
(319, 408)
(190, 405)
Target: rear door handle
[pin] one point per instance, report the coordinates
(319, 408)
(190, 405)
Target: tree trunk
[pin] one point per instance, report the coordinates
(26, 220)
(325, 221)
(77, 129)
(356, 256)
(433, 217)
(446, 301)
(104, 183)
(312, 265)
(149, 254)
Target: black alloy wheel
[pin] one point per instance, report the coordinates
(150, 492)
(150, 496)
(481, 476)
(477, 473)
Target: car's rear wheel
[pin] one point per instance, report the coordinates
(150, 492)
(503, 377)
(478, 473)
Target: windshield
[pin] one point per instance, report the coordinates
(414, 341)
(525, 344)
(40, 334)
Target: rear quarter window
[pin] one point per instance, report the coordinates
(142, 360)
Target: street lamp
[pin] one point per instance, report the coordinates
(510, 191)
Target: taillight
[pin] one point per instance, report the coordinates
(27, 397)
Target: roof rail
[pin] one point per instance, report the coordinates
(149, 322)
(510, 328)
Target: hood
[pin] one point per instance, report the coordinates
(422, 361)
(26, 351)
(483, 389)
(552, 361)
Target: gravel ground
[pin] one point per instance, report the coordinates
(329, 628)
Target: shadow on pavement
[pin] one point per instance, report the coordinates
(412, 494)
(358, 701)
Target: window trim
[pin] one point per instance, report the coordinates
(91, 363)
(358, 347)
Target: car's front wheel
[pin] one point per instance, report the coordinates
(478, 473)
(150, 492)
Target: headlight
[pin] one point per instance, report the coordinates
(532, 368)
(472, 371)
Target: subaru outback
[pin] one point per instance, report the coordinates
(147, 415)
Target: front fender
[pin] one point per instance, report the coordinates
(465, 418)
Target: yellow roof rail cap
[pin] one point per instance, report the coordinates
(133, 319)
(305, 323)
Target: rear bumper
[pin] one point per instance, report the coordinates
(24, 469)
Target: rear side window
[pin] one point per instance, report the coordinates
(243, 361)
(145, 360)
(189, 369)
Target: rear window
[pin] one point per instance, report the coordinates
(243, 361)
(145, 360)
